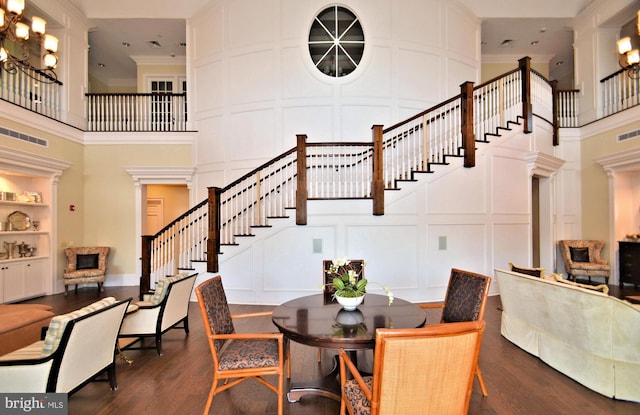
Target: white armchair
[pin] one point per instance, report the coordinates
(160, 312)
(78, 347)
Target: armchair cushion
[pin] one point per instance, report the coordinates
(87, 261)
(579, 254)
(58, 324)
(534, 272)
(162, 285)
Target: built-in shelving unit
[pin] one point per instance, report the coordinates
(28, 187)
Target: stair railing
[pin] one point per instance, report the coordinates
(348, 170)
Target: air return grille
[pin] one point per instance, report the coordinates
(629, 135)
(24, 137)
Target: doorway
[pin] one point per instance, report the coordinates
(164, 203)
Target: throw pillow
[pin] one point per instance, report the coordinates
(534, 272)
(88, 261)
(579, 254)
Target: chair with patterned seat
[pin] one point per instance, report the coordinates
(238, 356)
(465, 300)
(427, 370)
(582, 259)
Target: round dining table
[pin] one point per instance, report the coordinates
(316, 321)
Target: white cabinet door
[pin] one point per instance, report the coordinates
(13, 275)
(34, 278)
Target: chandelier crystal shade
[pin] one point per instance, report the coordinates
(629, 57)
(14, 46)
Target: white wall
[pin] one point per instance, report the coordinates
(257, 87)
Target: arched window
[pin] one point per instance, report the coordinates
(336, 41)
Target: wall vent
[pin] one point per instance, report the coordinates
(24, 137)
(627, 136)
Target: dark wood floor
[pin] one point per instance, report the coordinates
(179, 381)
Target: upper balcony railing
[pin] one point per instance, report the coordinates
(137, 112)
(620, 90)
(33, 90)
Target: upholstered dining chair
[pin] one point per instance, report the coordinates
(582, 259)
(465, 300)
(238, 356)
(440, 384)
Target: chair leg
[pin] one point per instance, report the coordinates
(483, 388)
(185, 323)
(210, 397)
(66, 289)
(319, 355)
(111, 375)
(159, 344)
(100, 287)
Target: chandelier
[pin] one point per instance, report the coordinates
(14, 48)
(629, 58)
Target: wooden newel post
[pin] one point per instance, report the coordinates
(213, 232)
(466, 125)
(301, 185)
(145, 277)
(554, 95)
(527, 105)
(377, 184)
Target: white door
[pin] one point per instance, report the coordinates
(155, 215)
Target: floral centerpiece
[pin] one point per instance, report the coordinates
(348, 284)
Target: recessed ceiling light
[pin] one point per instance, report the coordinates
(102, 65)
(154, 44)
(126, 44)
(559, 63)
(534, 43)
(506, 42)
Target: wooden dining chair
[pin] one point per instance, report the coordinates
(238, 356)
(465, 300)
(416, 371)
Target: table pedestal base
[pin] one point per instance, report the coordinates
(328, 386)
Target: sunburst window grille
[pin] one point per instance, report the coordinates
(336, 41)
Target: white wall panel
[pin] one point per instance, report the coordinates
(390, 252)
(297, 80)
(510, 190)
(207, 33)
(504, 248)
(210, 148)
(411, 27)
(251, 135)
(357, 121)
(208, 78)
(293, 266)
(463, 192)
(459, 253)
(310, 120)
(417, 70)
(251, 78)
(252, 22)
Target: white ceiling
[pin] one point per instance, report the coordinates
(136, 22)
